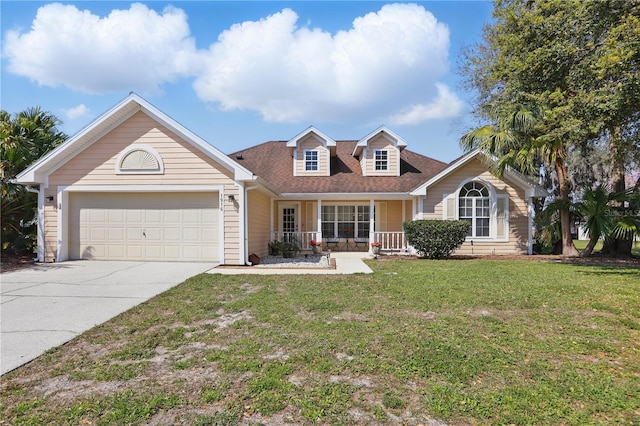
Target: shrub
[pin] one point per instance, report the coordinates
(436, 239)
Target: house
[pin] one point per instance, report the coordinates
(136, 185)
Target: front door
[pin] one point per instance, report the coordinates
(289, 221)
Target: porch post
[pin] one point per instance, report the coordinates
(372, 222)
(319, 221)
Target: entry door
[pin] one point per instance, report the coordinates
(289, 220)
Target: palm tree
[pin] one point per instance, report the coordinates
(523, 139)
(603, 218)
(23, 139)
(595, 210)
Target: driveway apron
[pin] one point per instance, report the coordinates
(49, 304)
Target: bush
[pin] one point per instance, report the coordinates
(436, 239)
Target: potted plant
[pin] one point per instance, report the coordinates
(375, 247)
(275, 248)
(315, 246)
(290, 247)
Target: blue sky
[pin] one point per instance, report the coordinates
(245, 72)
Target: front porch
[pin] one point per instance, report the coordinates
(390, 242)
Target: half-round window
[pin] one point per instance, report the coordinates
(140, 160)
(474, 206)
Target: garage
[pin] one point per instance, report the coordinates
(144, 226)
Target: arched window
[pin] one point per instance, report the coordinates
(474, 206)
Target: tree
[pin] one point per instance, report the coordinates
(602, 217)
(523, 139)
(574, 64)
(23, 139)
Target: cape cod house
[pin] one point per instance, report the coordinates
(136, 185)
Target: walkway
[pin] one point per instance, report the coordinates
(346, 263)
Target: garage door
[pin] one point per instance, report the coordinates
(144, 226)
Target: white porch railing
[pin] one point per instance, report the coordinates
(391, 241)
(302, 238)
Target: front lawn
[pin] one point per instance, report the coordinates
(460, 341)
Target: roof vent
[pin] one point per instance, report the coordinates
(239, 157)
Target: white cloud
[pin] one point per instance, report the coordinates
(388, 64)
(134, 49)
(445, 105)
(386, 61)
(79, 111)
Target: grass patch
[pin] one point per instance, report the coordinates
(464, 341)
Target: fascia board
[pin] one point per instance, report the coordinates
(293, 143)
(58, 156)
(422, 189)
(398, 141)
(240, 172)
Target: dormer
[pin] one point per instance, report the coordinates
(311, 152)
(379, 153)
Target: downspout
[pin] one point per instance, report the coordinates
(39, 223)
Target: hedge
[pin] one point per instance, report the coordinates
(436, 239)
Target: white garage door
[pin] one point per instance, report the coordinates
(144, 226)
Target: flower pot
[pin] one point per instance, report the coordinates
(315, 249)
(375, 250)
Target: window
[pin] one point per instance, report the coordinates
(381, 157)
(345, 221)
(363, 222)
(474, 207)
(328, 221)
(311, 161)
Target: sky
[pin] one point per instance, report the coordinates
(245, 72)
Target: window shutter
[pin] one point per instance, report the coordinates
(502, 213)
(449, 207)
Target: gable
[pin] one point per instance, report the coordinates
(101, 162)
(38, 173)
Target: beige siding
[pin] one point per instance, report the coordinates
(258, 233)
(518, 216)
(381, 142)
(183, 165)
(394, 216)
(51, 228)
(310, 143)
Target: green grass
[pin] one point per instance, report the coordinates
(582, 244)
(461, 341)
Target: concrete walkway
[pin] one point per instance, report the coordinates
(51, 303)
(346, 263)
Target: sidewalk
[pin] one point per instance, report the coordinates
(346, 263)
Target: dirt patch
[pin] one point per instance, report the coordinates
(14, 263)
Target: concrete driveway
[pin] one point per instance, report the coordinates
(49, 304)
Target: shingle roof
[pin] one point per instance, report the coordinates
(272, 162)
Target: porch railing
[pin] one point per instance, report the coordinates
(391, 241)
(302, 238)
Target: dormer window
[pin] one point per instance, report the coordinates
(311, 161)
(381, 157)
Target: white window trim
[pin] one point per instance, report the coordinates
(306, 161)
(375, 160)
(493, 206)
(139, 147)
(355, 218)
